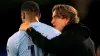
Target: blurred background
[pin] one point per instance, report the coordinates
(10, 17)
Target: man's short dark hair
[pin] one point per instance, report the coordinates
(31, 7)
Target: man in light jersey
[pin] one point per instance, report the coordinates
(20, 44)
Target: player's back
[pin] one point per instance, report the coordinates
(20, 44)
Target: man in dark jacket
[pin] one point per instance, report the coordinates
(75, 38)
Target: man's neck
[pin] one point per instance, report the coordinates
(32, 20)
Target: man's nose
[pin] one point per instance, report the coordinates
(53, 20)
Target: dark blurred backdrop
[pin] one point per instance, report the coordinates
(10, 18)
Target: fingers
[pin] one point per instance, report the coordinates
(24, 26)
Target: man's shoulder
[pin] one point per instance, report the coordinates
(46, 27)
(13, 36)
(12, 41)
(40, 24)
(16, 36)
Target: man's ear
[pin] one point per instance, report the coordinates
(39, 16)
(67, 20)
(23, 15)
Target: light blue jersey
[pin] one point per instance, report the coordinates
(20, 44)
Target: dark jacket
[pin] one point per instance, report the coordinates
(74, 41)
